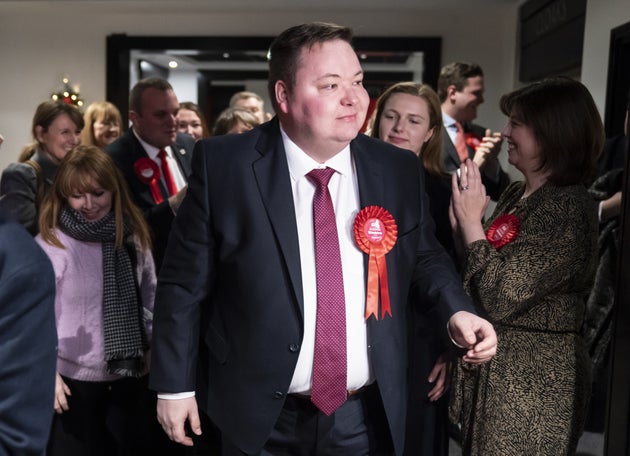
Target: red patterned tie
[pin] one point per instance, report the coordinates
(166, 172)
(460, 143)
(329, 389)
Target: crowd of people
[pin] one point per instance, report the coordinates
(288, 285)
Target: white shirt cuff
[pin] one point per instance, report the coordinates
(448, 330)
(174, 396)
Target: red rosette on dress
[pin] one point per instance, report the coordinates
(148, 173)
(472, 140)
(375, 232)
(503, 230)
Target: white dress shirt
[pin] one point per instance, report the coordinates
(449, 125)
(344, 191)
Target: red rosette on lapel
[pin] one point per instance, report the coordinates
(503, 230)
(472, 140)
(149, 173)
(375, 232)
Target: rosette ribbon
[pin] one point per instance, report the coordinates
(375, 232)
(503, 230)
(148, 173)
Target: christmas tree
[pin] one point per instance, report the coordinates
(67, 94)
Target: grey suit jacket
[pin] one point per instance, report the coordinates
(18, 189)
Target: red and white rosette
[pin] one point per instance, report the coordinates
(472, 140)
(375, 232)
(503, 230)
(148, 172)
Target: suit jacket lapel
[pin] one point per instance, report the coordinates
(369, 176)
(450, 151)
(183, 157)
(272, 175)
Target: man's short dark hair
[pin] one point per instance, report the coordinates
(457, 74)
(286, 49)
(135, 96)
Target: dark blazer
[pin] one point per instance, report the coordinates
(451, 161)
(232, 277)
(125, 151)
(28, 337)
(19, 185)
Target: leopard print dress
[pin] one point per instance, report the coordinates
(531, 399)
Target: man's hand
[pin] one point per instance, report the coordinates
(487, 153)
(172, 415)
(611, 207)
(441, 376)
(176, 200)
(475, 334)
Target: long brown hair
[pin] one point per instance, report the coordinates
(45, 115)
(431, 153)
(80, 171)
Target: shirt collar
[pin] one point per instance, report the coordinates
(151, 151)
(300, 164)
(449, 122)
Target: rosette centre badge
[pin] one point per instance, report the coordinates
(148, 173)
(503, 230)
(375, 232)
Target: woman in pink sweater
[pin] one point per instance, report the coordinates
(99, 246)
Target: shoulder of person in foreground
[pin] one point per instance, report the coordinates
(28, 338)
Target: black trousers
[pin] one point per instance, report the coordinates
(110, 419)
(358, 427)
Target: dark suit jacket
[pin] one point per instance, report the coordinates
(19, 189)
(451, 161)
(232, 277)
(28, 337)
(125, 151)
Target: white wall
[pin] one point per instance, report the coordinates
(601, 17)
(41, 41)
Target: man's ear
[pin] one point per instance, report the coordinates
(133, 116)
(450, 91)
(282, 96)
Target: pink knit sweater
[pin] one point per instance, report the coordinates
(79, 305)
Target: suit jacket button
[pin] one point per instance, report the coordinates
(293, 348)
(278, 395)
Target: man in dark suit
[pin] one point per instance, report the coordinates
(238, 305)
(460, 90)
(28, 358)
(153, 107)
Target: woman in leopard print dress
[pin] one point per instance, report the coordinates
(529, 269)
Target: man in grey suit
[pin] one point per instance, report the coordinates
(238, 304)
(153, 107)
(460, 90)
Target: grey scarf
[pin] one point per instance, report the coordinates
(125, 338)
